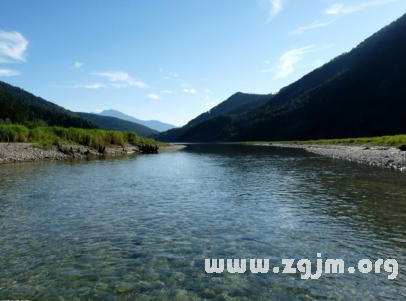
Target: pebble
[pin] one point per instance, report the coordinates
(25, 152)
(386, 157)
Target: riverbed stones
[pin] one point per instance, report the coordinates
(181, 295)
(25, 152)
(124, 287)
(380, 156)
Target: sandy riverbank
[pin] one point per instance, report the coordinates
(382, 156)
(26, 152)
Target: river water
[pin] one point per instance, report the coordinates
(140, 227)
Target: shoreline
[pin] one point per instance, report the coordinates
(380, 156)
(27, 152)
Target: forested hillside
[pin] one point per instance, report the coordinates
(235, 104)
(21, 107)
(20, 111)
(360, 93)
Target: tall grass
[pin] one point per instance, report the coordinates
(59, 135)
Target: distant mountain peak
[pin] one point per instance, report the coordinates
(153, 124)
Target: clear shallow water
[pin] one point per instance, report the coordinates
(140, 227)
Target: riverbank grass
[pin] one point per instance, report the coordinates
(46, 136)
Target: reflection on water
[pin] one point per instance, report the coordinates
(141, 227)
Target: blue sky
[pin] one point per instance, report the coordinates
(172, 60)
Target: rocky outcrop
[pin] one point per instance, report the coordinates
(148, 148)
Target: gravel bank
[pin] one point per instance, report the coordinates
(26, 152)
(382, 156)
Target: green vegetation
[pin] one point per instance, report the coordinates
(396, 141)
(48, 135)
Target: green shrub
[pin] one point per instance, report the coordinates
(58, 135)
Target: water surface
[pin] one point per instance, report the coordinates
(140, 227)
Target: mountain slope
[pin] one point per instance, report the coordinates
(112, 123)
(235, 104)
(23, 112)
(153, 124)
(360, 93)
(19, 93)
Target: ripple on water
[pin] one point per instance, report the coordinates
(140, 227)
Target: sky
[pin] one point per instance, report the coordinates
(171, 60)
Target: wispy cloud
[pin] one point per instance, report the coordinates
(121, 79)
(168, 74)
(339, 8)
(91, 86)
(77, 65)
(166, 92)
(316, 24)
(272, 7)
(189, 91)
(153, 96)
(8, 72)
(290, 58)
(12, 46)
(207, 91)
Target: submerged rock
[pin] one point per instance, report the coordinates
(124, 287)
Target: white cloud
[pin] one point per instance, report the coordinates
(8, 72)
(316, 24)
(97, 111)
(122, 79)
(207, 97)
(290, 58)
(207, 91)
(168, 75)
(339, 8)
(78, 65)
(153, 96)
(189, 91)
(12, 46)
(91, 86)
(166, 91)
(210, 104)
(272, 7)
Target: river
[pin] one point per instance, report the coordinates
(140, 227)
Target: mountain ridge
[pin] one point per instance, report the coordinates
(117, 124)
(233, 105)
(20, 106)
(356, 94)
(153, 124)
